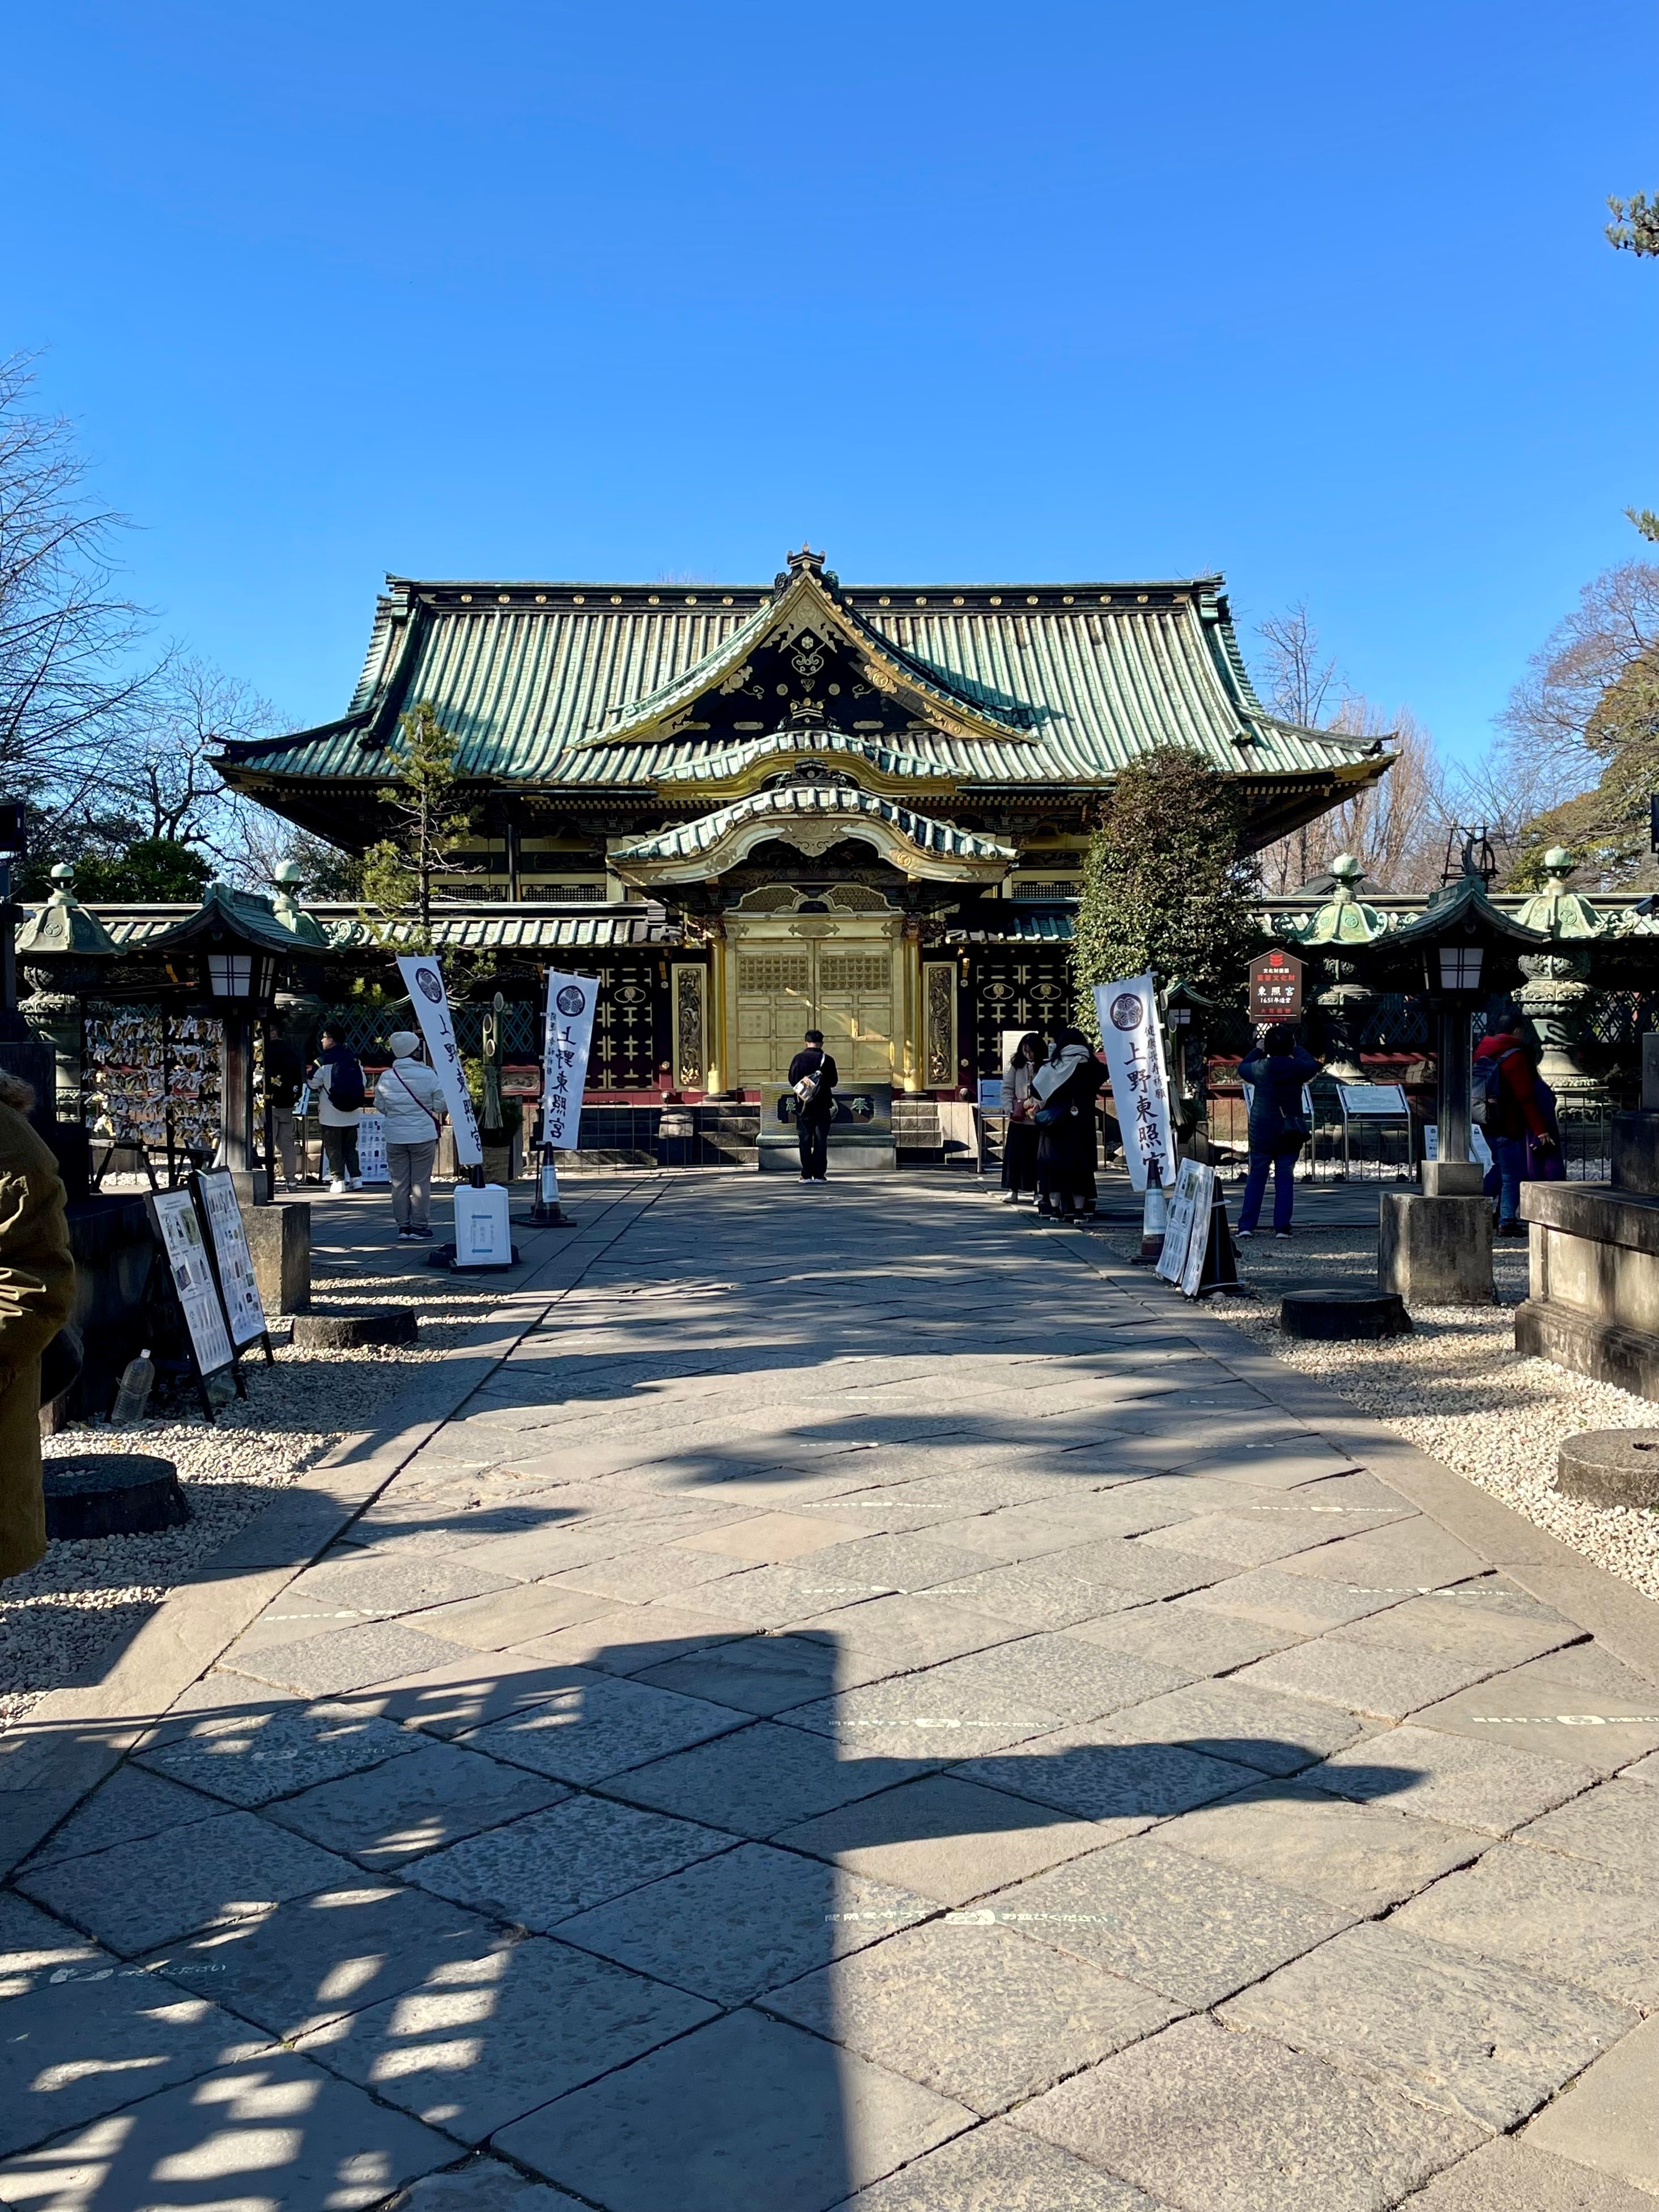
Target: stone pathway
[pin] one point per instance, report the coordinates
(872, 1703)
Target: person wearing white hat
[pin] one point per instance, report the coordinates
(410, 1100)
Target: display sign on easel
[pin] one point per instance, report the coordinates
(1187, 1224)
(233, 1262)
(179, 1231)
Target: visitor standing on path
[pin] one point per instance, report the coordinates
(813, 1076)
(285, 1078)
(37, 1290)
(410, 1100)
(337, 1079)
(1064, 1088)
(1508, 1107)
(1019, 1144)
(1278, 1071)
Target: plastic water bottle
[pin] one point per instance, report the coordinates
(137, 1380)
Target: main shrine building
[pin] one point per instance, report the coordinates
(755, 809)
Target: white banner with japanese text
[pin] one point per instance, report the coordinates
(570, 1001)
(424, 982)
(1141, 1084)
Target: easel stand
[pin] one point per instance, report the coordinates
(1220, 1271)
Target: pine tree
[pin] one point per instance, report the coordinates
(1164, 886)
(398, 871)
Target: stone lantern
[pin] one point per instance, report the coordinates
(62, 951)
(1345, 1001)
(1558, 981)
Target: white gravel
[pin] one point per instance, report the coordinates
(62, 1616)
(1455, 1387)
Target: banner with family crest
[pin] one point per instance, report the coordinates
(423, 980)
(1129, 1029)
(570, 1000)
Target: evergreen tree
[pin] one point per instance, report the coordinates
(1164, 884)
(400, 870)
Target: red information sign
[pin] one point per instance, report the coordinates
(1276, 987)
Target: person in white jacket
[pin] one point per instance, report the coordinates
(410, 1100)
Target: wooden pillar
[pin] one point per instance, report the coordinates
(912, 1055)
(719, 1009)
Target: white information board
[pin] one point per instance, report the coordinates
(1479, 1150)
(1373, 1101)
(569, 1032)
(237, 1288)
(423, 981)
(179, 1230)
(1187, 1223)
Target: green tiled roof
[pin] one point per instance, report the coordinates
(686, 839)
(536, 680)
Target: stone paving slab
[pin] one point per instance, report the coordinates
(345, 1659)
(799, 2124)
(1136, 1910)
(300, 1965)
(978, 2013)
(483, 2184)
(131, 1806)
(1590, 1924)
(1365, 1855)
(1460, 2032)
(405, 1808)
(549, 1866)
(483, 2040)
(1471, 1783)
(1608, 2121)
(1507, 2176)
(753, 1783)
(136, 1895)
(596, 1725)
(250, 1752)
(998, 2168)
(1384, 1684)
(1232, 1719)
(731, 1927)
(277, 2125)
(945, 1837)
(1203, 2118)
(1617, 1824)
(1579, 1704)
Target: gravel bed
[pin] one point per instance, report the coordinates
(65, 1615)
(1455, 1387)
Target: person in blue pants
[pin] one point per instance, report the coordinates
(1277, 1070)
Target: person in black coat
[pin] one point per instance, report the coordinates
(814, 1071)
(1277, 1070)
(1064, 1088)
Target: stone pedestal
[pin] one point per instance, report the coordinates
(279, 1243)
(1436, 1251)
(1594, 1301)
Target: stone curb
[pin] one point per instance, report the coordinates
(77, 1733)
(1615, 1612)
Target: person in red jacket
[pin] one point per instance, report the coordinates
(1514, 1113)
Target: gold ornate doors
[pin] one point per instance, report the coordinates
(844, 984)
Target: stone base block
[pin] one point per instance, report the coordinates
(1611, 1466)
(1606, 1351)
(1452, 1178)
(279, 1243)
(1635, 1152)
(1435, 1251)
(844, 1159)
(1336, 1313)
(111, 1494)
(340, 1332)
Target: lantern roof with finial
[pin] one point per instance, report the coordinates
(63, 927)
(1345, 918)
(1555, 910)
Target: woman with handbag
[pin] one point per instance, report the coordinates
(1020, 1146)
(1068, 1145)
(1277, 1070)
(411, 1099)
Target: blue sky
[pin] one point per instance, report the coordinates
(1313, 293)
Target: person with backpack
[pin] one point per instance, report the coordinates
(1505, 1106)
(813, 1076)
(1277, 1071)
(342, 1094)
(410, 1100)
(285, 1078)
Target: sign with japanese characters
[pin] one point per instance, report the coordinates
(1276, 987)
(179, 1231)
(233, 1262)
(1188, 1218)
(569, 1033)
(1133, 1038)
(423, 980)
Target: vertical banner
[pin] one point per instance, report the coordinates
(1133, 1039)
(423, 980)
(569, 1033)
